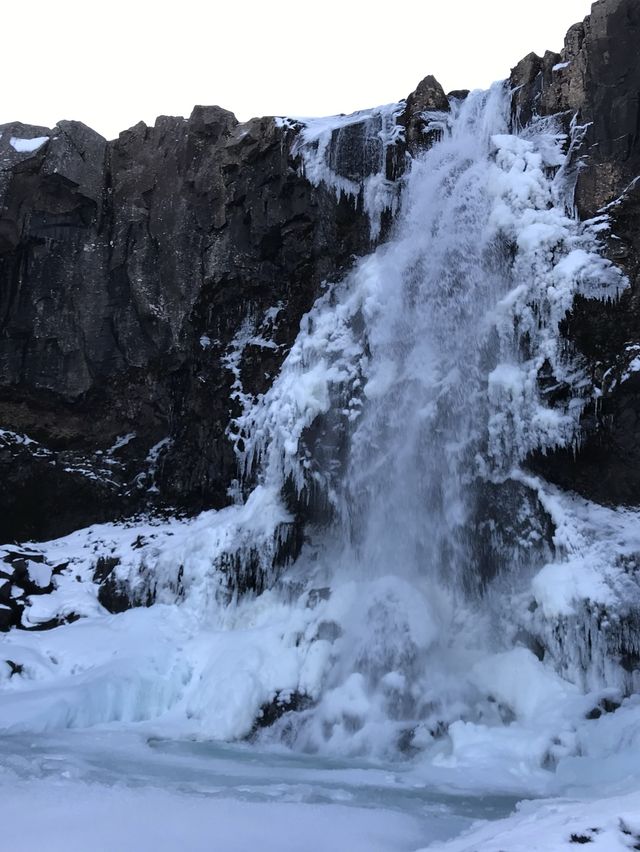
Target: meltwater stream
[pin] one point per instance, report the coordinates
(394, 668)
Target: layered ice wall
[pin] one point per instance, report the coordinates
(441, 590)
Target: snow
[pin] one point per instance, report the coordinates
(170, 796)
(606, 824)
(27, 146)
(121, 441)
(151, 820)
(520, 681)
(621, 198)
(558, 588)
(153, 459)
(14, 437)
(633, 364)
(559, 66)
(324, 357)
(39, 574)
(252, 331)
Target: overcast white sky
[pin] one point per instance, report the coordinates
(114, 62)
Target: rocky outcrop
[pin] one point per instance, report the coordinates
(429, 97)
(595, 83)
(145, 283)
(25, 575)
(596, 78)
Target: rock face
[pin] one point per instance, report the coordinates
(24, 576)
(143, 282)
(428, 97)
(596, 78)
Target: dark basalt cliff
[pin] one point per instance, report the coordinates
(126, 270)
(144, 282)
(595, 81)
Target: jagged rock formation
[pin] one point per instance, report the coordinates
(596, 78)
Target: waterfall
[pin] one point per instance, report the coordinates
(411, 399)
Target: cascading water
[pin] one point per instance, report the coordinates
(431, 353)
(429, 345)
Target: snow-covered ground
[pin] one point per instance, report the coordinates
(106, 789)
(557, 825)
(112, 725)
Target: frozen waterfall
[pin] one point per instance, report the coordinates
(410, 400)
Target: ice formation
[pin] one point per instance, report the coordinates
(324, 147)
